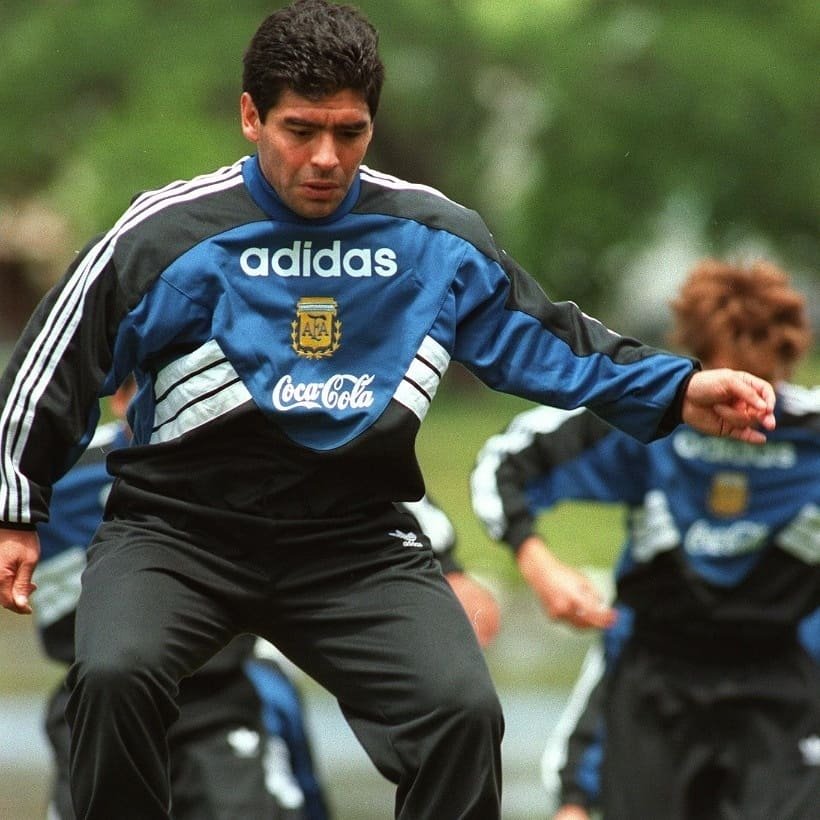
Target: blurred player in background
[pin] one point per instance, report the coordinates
(711, 704)
(571, 763)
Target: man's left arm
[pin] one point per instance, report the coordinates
(518, 341)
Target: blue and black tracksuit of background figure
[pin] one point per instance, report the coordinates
(239, 747)
(284, 367)
(579, 775)
(713, 706)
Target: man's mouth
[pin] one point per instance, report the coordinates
(320, 188)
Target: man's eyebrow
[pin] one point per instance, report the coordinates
(360, 125)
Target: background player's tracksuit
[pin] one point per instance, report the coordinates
(571, 764)
(712, 705)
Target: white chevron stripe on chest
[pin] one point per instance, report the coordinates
(420, 383)
(195, 389)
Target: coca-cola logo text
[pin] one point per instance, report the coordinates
(341, 391)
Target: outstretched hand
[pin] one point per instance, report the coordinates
(731, 403)
(565, 593)
(19, 552)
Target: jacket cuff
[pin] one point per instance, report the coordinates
(518, 532)
(15, 525)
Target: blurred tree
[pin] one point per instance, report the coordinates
(570, 124)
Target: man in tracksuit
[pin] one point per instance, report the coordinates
(710, 706)
(289, 318)
(240, 747)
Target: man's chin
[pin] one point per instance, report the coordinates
(314, 209)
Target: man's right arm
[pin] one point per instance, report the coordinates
(49, 391)
(19, 552)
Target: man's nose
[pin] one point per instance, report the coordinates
(325, 155)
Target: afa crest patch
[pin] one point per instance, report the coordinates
(729, 494)
(316, 331)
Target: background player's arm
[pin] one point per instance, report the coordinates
(564, 592)
(477, 601)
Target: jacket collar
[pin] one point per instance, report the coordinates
(268, 200)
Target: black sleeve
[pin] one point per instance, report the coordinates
(534, 444)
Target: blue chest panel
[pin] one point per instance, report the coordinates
(728, 501)
(320, 323)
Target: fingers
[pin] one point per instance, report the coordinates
(22, 589)
(19, 551)
(747, 434)
(720, 402)
(14, 596)
(755, 392)
(16, 590)
(740, 414)
(599, 616)
(740, 424)
(730, 403)
(584, 609)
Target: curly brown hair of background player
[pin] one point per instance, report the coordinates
(749, 312)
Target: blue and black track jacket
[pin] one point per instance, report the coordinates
(284, 365)
(723, 537)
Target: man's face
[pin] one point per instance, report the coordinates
(310, 150)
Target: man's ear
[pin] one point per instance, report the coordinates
(250, 117)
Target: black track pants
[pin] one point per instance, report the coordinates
(713, 741)
(364, 613)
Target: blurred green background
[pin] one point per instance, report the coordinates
(608, 144)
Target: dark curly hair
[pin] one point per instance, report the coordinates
(314, 48)
(750, 313)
